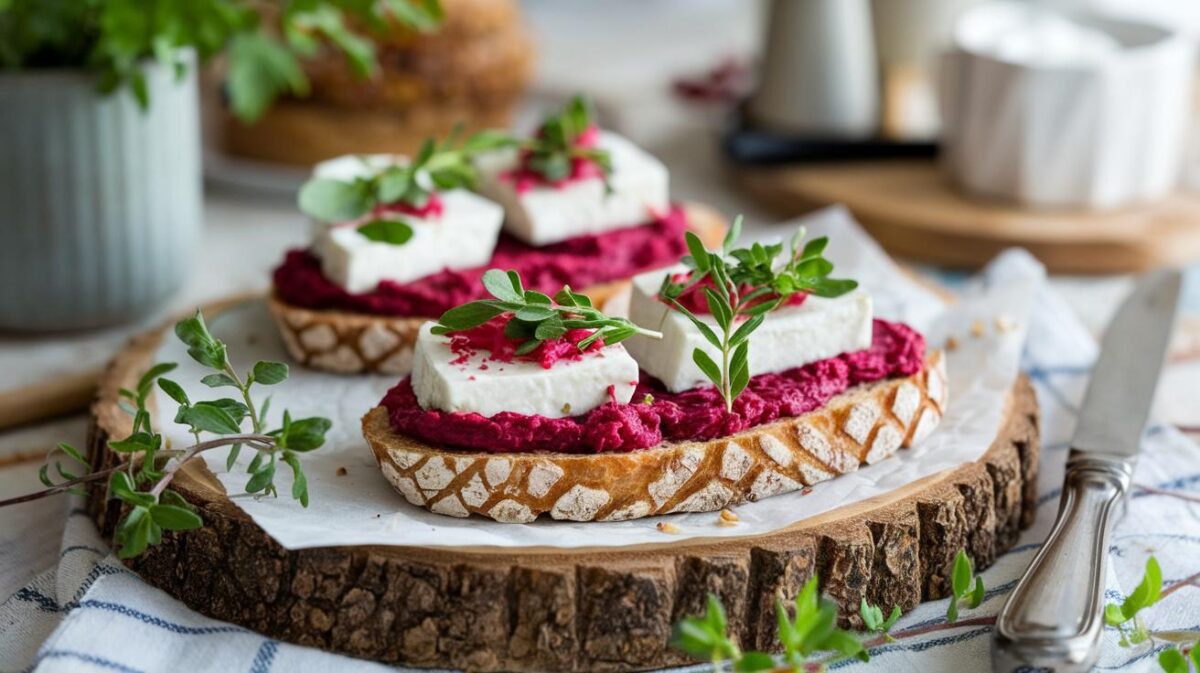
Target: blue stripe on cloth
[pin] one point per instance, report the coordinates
(81, 547)
(920, 646)
(48, 604)
(161, 623)
(83, 657)
(265, 657)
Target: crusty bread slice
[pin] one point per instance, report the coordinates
(861, 426)
(354, 343)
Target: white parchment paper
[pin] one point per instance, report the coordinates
(360, 507)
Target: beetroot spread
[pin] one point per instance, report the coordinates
(695, 300)
(433, 207)
(699, 414)
(490, 338)
(578, 262)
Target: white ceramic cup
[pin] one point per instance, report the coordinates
(1049, 115)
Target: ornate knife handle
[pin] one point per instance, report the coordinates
(1052, 621)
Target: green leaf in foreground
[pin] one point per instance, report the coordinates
(392, 232)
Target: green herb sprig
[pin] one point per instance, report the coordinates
(746, 283)
(960, 586)
(142, 481)
(873, 621)
(114, 37)
(811, 628)
(553, 150)
(448, 165)
(536, 316)
(1126, 618)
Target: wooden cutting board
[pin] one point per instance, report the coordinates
(913, 211)
(578, 609)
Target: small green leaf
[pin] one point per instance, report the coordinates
(134, 532)
(392, 232)
(269, 373)
(696, 248)
(147, 381)
(210, 417)
(1147, 591)
(137, 442)
(1172, 660)
(173, 390)
(731, 236)
(1113, 615)
(707, 366)
(467, 316)
(170, 517)
(299, 480)
(535, 313)
(977, 595)
(219, 380)
(739, 367)
(305, 434)
(501, 287)
(169, 497)
(73, 453)
(960, 578)
(952, 610)
(334, 201)
(261, 479)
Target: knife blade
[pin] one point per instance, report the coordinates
(1121, 391)
(1052, 620)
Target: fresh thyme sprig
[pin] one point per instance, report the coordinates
(537, 317)
(449, 165)
(873, 621)
(810, 629)
(143, 479)
(749, 287)
(553, 150)
(808, 636)
(1185, 645)
(960, 586)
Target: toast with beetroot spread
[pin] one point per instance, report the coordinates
(740, 374)
(399, 241)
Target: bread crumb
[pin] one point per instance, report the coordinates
(951, 343)
(566, 409)
(727, 518)
(978, 329)
(341, 472)
(648, 399)
(1005, 323)
(665, 527)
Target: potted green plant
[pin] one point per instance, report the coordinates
(100, 182)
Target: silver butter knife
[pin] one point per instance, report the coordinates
(1052, 621)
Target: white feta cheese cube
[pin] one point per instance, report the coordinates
(350, 166)
(462, 237)
(545, 214)
(488, 387)
(789, 337)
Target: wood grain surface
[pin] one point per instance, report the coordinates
(913, 211)
(584, 609)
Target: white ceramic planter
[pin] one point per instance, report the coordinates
(100, 201)
(1065, 130)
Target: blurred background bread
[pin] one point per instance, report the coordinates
(471, 70)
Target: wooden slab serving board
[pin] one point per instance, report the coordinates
(913, 211)
(578, 609)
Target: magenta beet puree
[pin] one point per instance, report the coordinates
(579, 262)
(896, 350)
